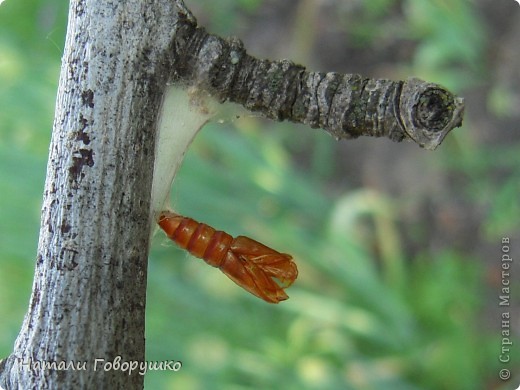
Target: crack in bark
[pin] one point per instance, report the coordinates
(346, 106)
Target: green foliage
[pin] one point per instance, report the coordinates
(29, 67)
(451, 41)
(361, 315)
(225, 14)
(354, 319)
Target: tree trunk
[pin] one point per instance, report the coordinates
(89, 291)
(85, 324)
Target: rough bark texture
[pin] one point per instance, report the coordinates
(347, 106)
(88, 297)
(89, 291)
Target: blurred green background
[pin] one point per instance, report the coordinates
(398, 248)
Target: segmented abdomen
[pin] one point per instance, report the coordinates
(197, 238)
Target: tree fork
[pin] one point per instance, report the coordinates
(347, 106)
(88, 297)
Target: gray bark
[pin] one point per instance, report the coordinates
(347, 106)
(89, 291)
(88, 297)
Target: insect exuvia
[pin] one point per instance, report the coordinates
(250, 264)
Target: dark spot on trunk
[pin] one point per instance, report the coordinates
(87, 97)
(65, 227)
(85, 158)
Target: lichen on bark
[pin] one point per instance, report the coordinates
(345, 105)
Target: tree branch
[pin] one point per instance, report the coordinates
(347, 106)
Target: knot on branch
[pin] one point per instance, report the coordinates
(429, 112)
